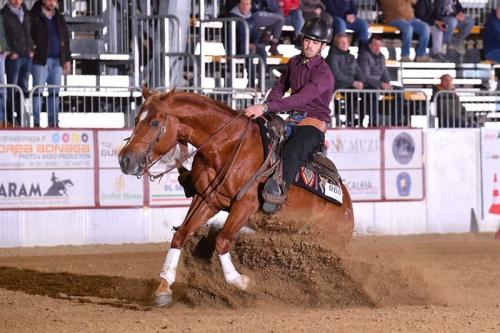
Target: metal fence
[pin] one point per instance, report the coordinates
(376, 108)
(12, 107)
(465, 109)
(81, 106)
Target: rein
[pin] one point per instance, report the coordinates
(171, 167)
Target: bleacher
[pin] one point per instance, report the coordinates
(115, 44)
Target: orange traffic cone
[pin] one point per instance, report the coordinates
(495, 205)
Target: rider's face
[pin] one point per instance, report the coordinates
(312, 47)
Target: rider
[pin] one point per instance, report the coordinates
(311, 83)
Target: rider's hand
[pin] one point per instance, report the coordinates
(254, 111)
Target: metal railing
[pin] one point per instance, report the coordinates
(12, 107)
(84, 102)
(465, 109)
(376, 108)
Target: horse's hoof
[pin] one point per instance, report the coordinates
(243, 282)
(163, 299)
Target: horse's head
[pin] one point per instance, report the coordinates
(154, 134)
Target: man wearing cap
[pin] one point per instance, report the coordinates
(310, 81)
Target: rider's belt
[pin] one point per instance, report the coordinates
(319, 124)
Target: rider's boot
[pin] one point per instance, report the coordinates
(273, 196)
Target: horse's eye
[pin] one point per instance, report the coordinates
(154, 123)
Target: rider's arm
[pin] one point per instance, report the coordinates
(281, 86)
(321, 81)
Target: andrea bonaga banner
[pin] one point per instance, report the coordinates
(46, 188)
(46, 149)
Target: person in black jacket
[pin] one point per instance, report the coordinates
(18, 63)
(52, 56)
(425, 11)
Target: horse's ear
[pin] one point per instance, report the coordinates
(168, 94)
(145, 91)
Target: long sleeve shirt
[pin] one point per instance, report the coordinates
(311, 86)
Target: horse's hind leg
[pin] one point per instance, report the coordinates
(240, 213)
(197, 216)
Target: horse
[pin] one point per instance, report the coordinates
(229, 151)
(58, 188)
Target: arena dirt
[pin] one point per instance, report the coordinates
(301, 282)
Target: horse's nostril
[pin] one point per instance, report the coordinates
(124, 162)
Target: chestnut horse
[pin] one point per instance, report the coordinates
(229, 152)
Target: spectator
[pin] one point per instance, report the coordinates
(400, 14)
(344, 16)
(268, 16)
(424, 11)
(315, 8)
(52, 56)
(452, 14)
(345, 69)
(3, 53)
(293, 16)
(372, 64)
(449, 110)
(243, 10)
(18, 63)
(491, 36)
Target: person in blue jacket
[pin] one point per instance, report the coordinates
(344, 13)
(491, 36)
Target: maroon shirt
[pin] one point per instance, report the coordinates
(311, 87)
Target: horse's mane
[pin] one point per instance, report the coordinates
(156, 100)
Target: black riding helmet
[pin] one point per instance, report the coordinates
(317, 29)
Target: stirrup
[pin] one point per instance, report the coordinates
(272, 196)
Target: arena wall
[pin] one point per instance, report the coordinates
(452, 179)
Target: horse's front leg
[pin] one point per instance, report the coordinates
(198, 214)
(238, 217)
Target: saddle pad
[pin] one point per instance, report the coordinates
(319, 185)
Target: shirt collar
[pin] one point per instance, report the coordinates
(312, 62)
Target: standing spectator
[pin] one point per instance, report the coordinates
(452, 14)
(315, 8)
(424, 10)
(400, 14)
(491, 36)
(449, 109)
(344, 16)
(3, 54)
(293, 15)
(345, 69)
(52, 56)
(18, 62)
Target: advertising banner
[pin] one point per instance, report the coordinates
(363, 185)
(117, 189)
(47, 188)
(490, 162)
(167, 191)
(46, 149)
(354, 149)
(109, 145)
(403, 164)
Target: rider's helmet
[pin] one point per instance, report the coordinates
(317, 29)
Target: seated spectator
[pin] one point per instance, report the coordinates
(372, 64)
(491, 36)
(452, 14)
(347, 75)
(345, 69)
(449, 109)
(400, 14)
(315, 8)
(268, 16)
(243, 10)
(424, 10)
(344, 16)
(293, 16)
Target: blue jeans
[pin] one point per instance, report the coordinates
(2, 90)
(295, 19)
(493, 55)
(359, 26)
(18, 72)
(407, 28)
(51, 74)
(463, 27)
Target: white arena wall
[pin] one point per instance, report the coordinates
(452, 177)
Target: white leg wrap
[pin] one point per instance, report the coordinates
(230, 273)
(170, 265)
